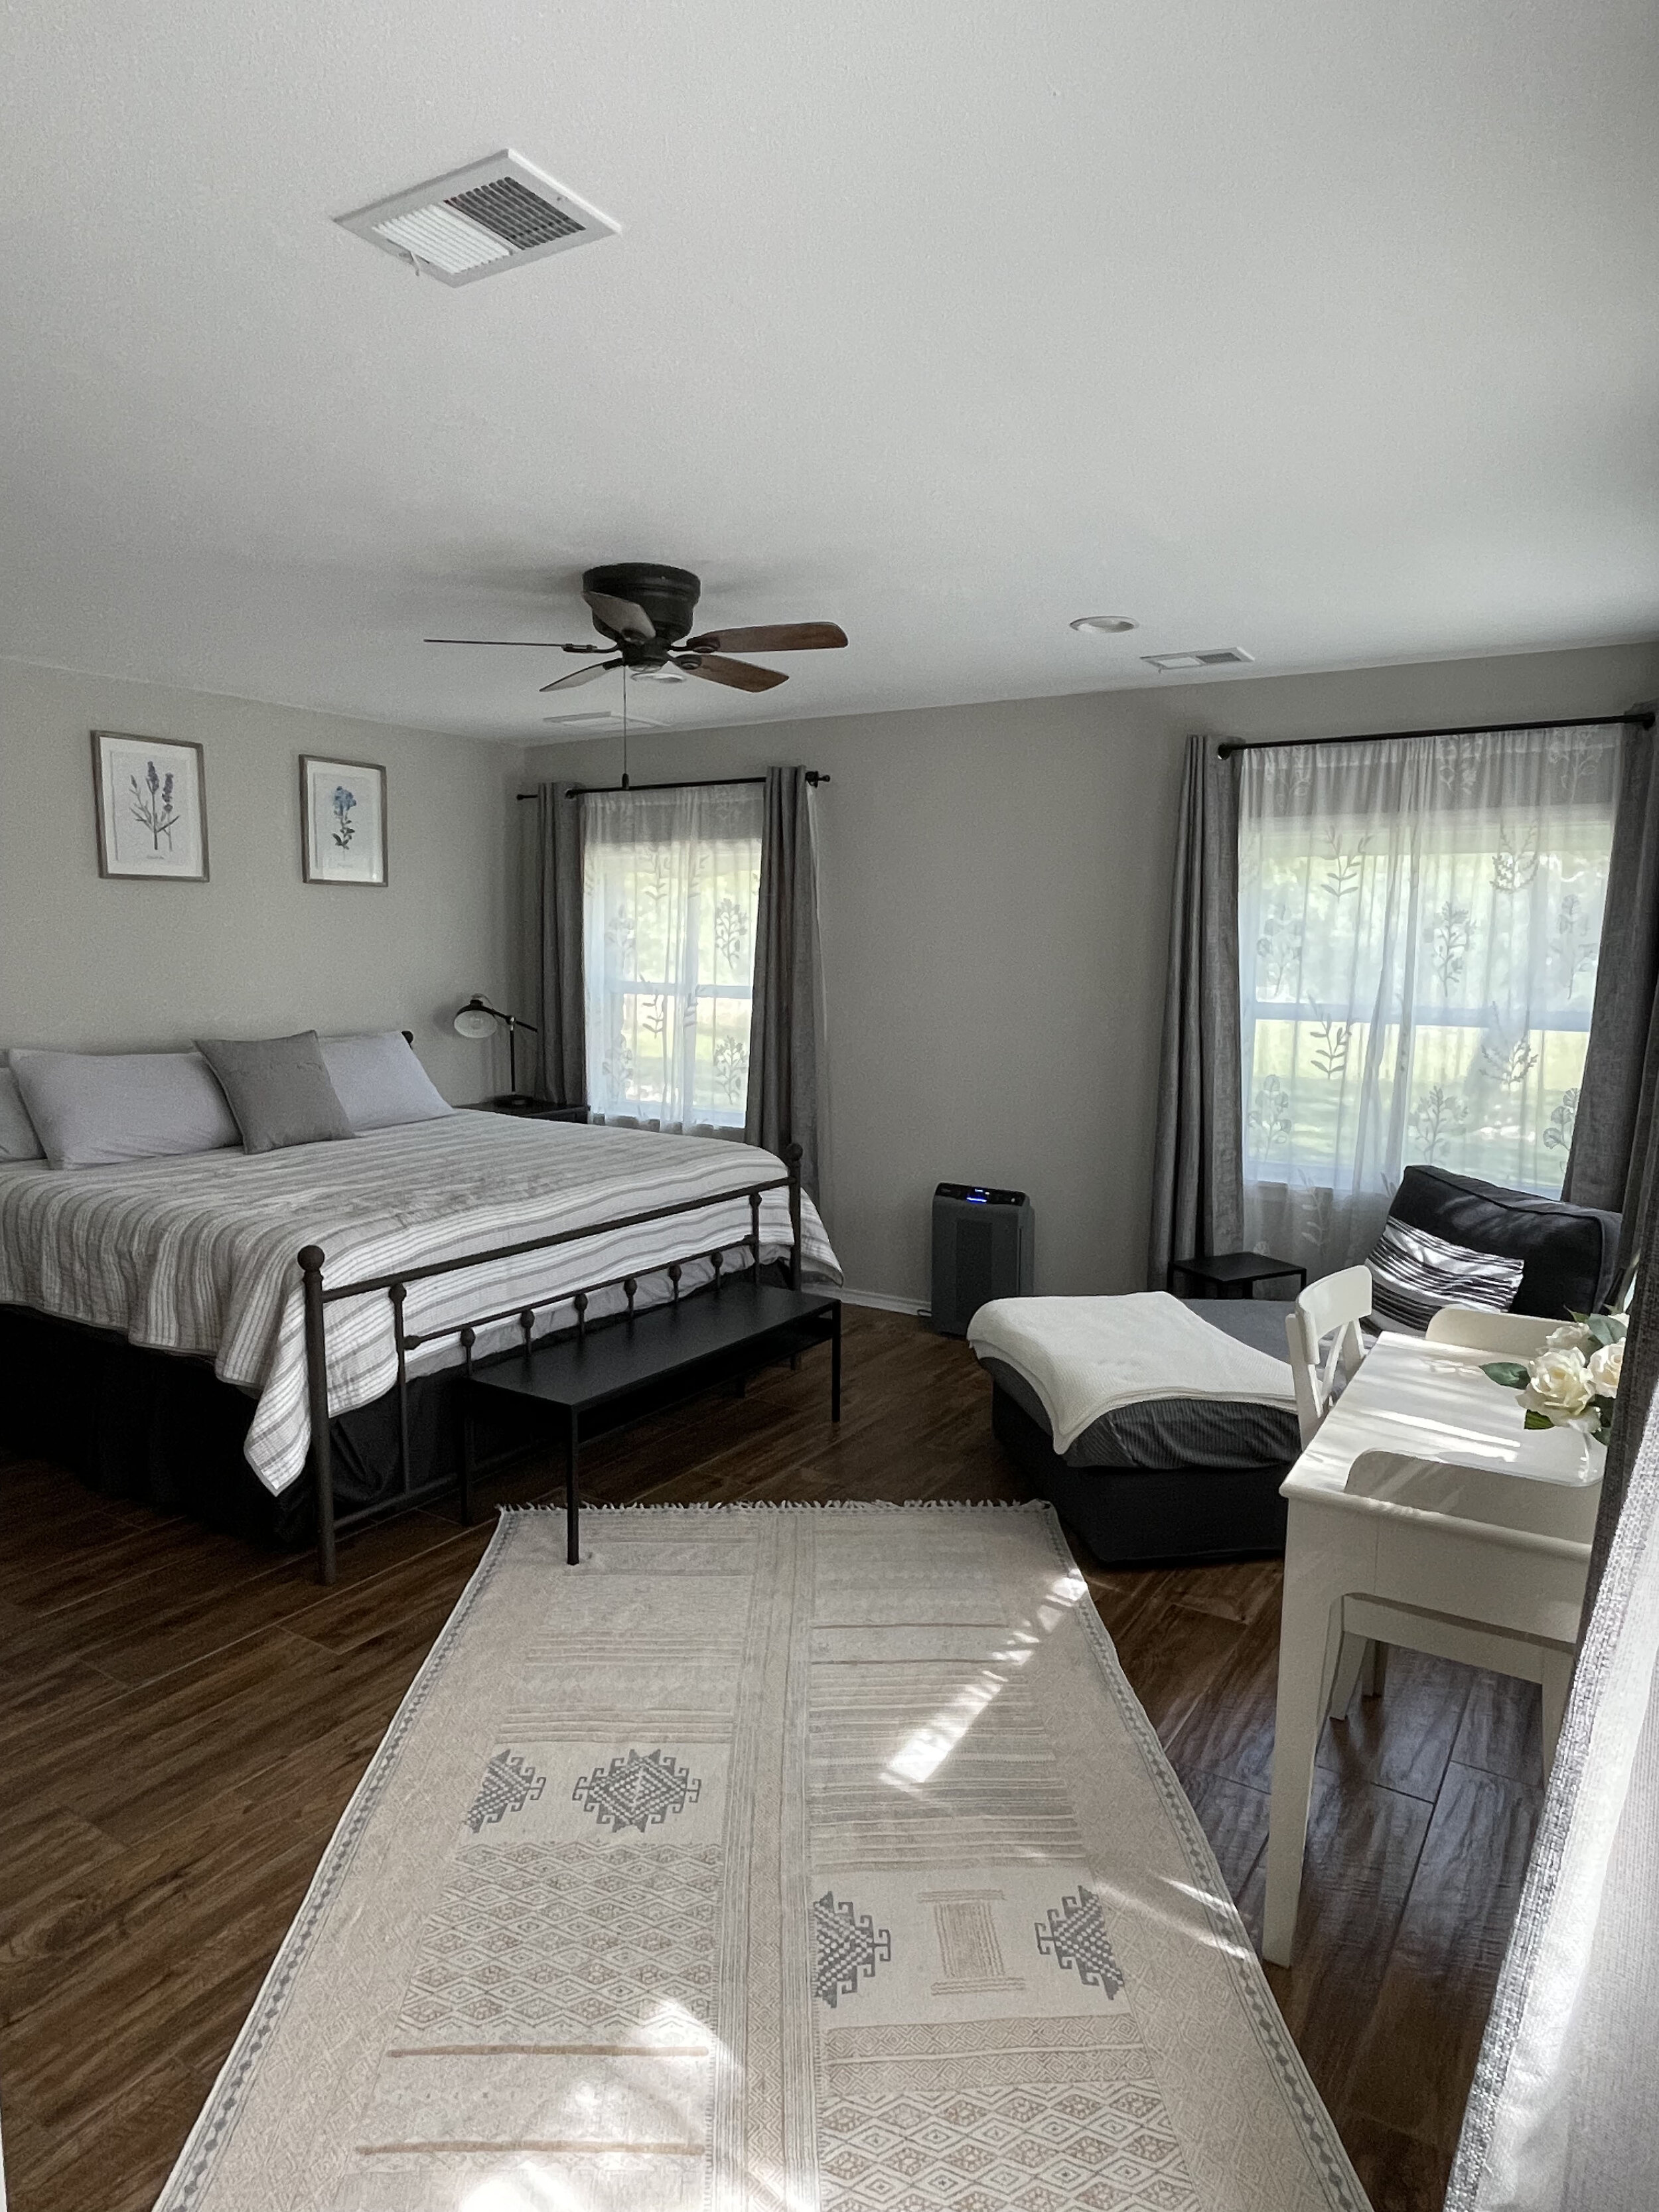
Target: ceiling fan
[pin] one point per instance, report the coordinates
(645, 610)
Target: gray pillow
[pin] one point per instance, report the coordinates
(90, 1108)
(380, 1082)
(17, 1138)
(278, 1089)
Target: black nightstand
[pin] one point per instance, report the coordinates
(1234, 1274)
(534, 1109)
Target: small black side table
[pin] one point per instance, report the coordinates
(534, 1109)
(1233, 1275)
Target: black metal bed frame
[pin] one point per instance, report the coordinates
(318, 1297)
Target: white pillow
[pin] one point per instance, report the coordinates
(17, 1138)
(92, 1107)
(380, 1082)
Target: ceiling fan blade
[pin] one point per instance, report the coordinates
(536, 644)
(773, 637)
(620, 616)
(741, 675)
(581, 676)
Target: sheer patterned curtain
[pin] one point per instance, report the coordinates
(670, 882)
(1419, 925)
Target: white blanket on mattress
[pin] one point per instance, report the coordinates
(197, 1255)
(1084, 1356)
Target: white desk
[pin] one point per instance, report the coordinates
(1422, 1514)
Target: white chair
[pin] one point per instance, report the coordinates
(1334, 1307)
(1505, 1335)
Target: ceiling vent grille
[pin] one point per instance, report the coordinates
(1219, 656)
(596, 724)
(479, 221)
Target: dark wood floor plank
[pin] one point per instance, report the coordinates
(118, 2155)
(1402, 1740)
(1398, 2173)
(1173, 1658)
(1502, 1728)
(153, 1622)
(1363, 1844)
(1228, 1731)
(182, 1719)
(1234, 1819)
(1424, 2036)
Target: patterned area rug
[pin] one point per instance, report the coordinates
(793, 1860)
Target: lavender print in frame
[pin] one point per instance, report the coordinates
(150, 807)
(342, 821)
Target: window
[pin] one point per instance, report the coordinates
(1419, 924)
(670, 890)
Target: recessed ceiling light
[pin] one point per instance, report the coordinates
(1110, 625)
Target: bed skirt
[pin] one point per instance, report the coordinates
(164, 1429)
(1135, 1516)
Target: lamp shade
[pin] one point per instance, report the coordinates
(476, 1019)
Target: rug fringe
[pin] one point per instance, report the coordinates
(812, 1505)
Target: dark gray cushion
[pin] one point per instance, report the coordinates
(1568, 1253)
(278, 1089)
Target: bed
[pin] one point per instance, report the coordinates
(1159, 1428)
(154, 1326)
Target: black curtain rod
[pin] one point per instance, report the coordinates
(814, 777)
(1643, 719)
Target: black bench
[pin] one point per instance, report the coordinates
(618, 1371)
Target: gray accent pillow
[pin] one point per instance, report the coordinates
(278, 1089)
(18, 1140)
(91, 1108)
(380, 1082)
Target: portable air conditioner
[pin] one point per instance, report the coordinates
(982, 1250)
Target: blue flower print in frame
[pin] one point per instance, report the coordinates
(152, 811)
(343, 813)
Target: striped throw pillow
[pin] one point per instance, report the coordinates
(1414, 1274)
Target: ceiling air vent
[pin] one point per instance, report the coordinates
(480, 221)
(596, 725)
(1220, 656)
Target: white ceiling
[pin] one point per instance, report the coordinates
(1330, 331)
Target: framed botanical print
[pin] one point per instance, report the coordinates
(343, 817)
(151, 807)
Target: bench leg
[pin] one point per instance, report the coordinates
(835, 1367)
(572, 1493)
(467, 1456)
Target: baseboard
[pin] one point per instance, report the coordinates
(883, 1303)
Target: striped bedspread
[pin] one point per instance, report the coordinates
(197, 1255)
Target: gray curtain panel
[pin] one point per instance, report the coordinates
(786, 1043)
(1613, 1152)
(559, 992)
(1197, 1165)
(1560, 2118)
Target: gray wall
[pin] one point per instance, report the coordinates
(995, 910)
(88, 963)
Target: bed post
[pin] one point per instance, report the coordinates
(791, 1153)
(322, 1468)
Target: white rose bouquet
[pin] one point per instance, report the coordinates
(1573, 1382)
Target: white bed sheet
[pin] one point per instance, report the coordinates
(198, 1255)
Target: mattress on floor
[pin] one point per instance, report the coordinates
(1182, 1433)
